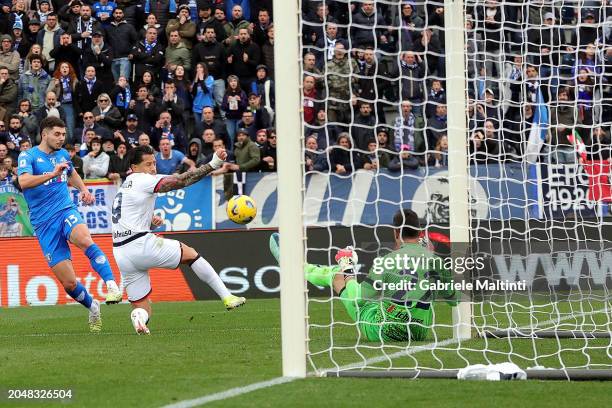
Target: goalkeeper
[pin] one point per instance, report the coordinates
(383, 314)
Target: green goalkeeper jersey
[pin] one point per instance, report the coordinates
(402, 277)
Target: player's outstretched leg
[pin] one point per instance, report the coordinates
(99, 262)
(65, 274)
(319, 275)
(207, 274)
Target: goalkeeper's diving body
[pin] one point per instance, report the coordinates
(383, 313)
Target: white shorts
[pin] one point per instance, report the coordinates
(135, 258)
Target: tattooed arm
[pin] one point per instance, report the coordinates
(188, 178)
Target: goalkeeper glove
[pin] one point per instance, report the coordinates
(347, 259)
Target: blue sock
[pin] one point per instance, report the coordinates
(80, 295)
(99, 262)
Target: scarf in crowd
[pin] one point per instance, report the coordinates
(90, 84)
(123, 98)
(84, 26)
(171, 6)
(331, 47)
(410, 66)
(66, 90)
(149, 47)
(406, 128)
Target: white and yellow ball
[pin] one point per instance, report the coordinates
(241, 209)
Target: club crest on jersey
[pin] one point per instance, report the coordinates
(100, 260)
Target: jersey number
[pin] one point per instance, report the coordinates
(71, 220)
(117, 208)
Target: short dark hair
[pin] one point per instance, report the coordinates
(137, 153)
(69, 147)
(35, 57)
(50, 122)
(407, 221)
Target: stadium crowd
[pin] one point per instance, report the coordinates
(191, 76)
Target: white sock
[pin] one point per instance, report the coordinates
(207, 274)
(95, 307)
(111, 285)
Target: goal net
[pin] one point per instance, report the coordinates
(491, 121)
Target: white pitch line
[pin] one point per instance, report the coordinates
(234, 392)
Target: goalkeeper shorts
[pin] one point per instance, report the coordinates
(386, 321)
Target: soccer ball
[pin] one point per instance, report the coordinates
(241, 209)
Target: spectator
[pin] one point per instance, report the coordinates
(363, 129)
(177, 52)
(148, 55)
(310, 98)
(315, 158)
(260, 29)
(436, 96)
(13, 136)
(232, 29)
(151, 22)
(119, 164)
(148, 79)
(83, 27)
(267, 51)
(412, 82)
(183, 25)
(89, 123)
(436, 126)
(33, 29)
(263, 118)
(169, 160)
(247, 153)
(342, 159)
(51, 108)
(165, 129)
(194, 153)
(121, 95)
(202, 91)
(211, 53)
(440, 157)
(327, 44)
(30, 124)
(21, 44)
(88, 90)
(338, 86)
(309, 68)
(69, 12)
(173, 105)
(122, 38)
(43, 10)
(145, 108)
(161, 8)
(404, 160)
(231, 7)
(95, 163)
(106, 115)
(263, 86)
(8, 94)
(409, 25)
(49, 38)
(206, 20)
(268, 157)
(66, 52)
(35, 49)
(234, 103)
(64, 84)
(384, 149)
(370, 159)
(367, 25)
(248, 123)
(325, 132)
(243, 57)
(600, 145)
(408, 129)
(34, 82)
(131, 133)
(209, 122)
(365, 83)
(103, 11)
(99, 56)
(108, 147)
(563, 118)
(77, 162)
(208, 138)
(144, 140)
(584, 93)
(9, 58)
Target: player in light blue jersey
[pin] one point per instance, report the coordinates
(44, 172)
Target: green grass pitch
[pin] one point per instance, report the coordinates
(197, 348)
